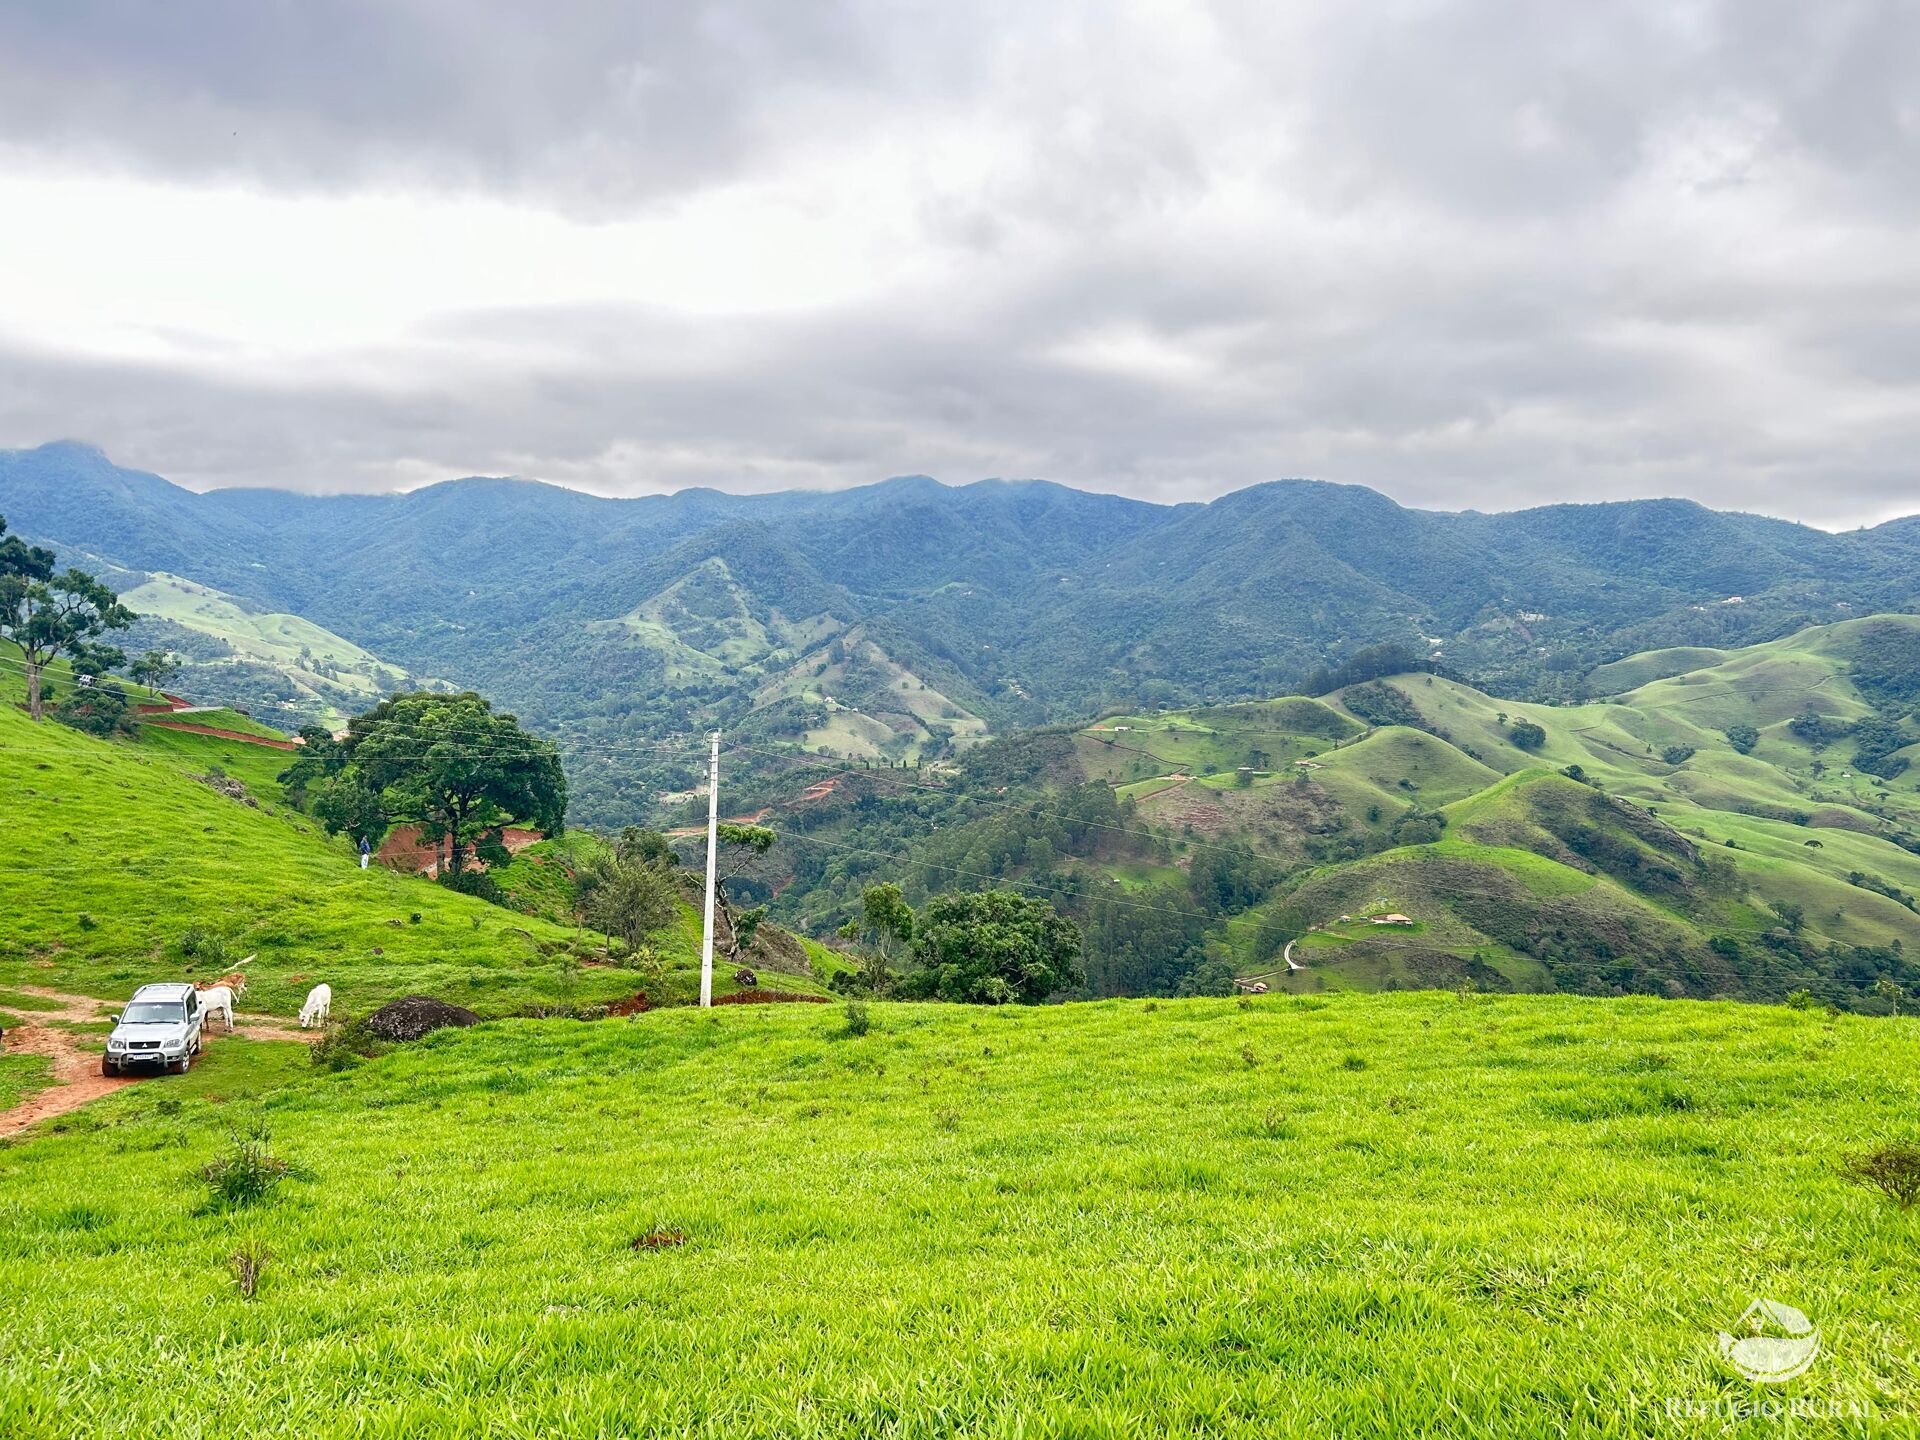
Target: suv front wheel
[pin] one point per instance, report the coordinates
(108, 1068)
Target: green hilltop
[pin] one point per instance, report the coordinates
(1747, 827)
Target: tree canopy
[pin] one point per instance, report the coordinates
(1527, 735)
(627, 891)
(48, 614)
(447, 763)
(994, 947)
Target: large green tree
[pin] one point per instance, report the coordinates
(883, 926)
(624, 892)
(154, 669)
(447, 763)
(994, 947)
(49, 614)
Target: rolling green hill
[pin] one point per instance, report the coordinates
(1624, 845)
(277, 664)
(1285, 1215)
(119, 865)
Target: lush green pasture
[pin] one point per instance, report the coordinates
(221, 719)
(270, 638)
(1362, 1216)
(117, 868)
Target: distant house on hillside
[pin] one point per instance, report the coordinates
(1394, 919)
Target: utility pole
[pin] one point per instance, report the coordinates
(713, 865)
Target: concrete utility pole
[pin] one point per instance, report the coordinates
(713, 865)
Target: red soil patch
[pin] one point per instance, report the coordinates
(76, 1072)
(637, 1004)
(821, 790)
(769, 997)
(660, 1239)
(406, 851)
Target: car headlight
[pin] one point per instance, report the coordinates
(116, 1044)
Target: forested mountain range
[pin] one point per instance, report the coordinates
(902, 620)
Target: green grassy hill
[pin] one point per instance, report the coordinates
(119, 865)
(1750, 854)
(1344, 1215)
(1681, 866)
(283, 664)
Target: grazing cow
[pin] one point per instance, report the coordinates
(318, 1008)
(218, 1001)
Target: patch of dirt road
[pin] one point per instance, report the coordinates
(76, 1068)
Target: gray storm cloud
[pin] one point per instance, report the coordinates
(1473, 254)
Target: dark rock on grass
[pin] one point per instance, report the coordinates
(228, 787)
(415, 1016)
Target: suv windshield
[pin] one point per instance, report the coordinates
(151, 1012)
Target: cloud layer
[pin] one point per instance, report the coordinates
(1472, 254)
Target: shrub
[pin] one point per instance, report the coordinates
(1893, 1170)
(340, 1047)
(246, 1173)
(248, 1261)
(1742, 738)
(1677, 754)
(1273, 1126)
(102, 711)
(1527, 735)
(477, 883)
(858, 1021)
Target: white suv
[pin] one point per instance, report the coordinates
(160, 1026)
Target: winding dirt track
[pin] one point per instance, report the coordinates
(76, 1070)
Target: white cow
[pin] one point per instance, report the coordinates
(318, 1007)
(217, 1001)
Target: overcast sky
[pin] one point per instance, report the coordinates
(1481, 255)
